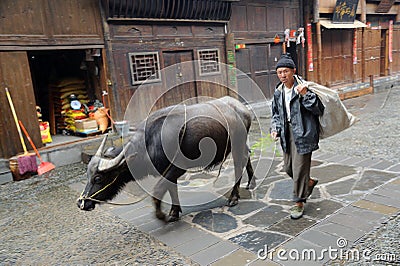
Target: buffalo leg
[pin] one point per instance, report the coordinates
(251, 184)
(168, 183)
(176, 206)
(234, 197)
(159, 191)
(240, 157)
(157, 204)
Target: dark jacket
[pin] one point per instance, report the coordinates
(304, 113)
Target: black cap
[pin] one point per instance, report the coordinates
(285, 61)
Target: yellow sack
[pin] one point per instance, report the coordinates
(45, 132)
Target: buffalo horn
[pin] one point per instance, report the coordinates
(108, 164)
(101, 147)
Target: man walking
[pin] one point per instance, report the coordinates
(295, 111)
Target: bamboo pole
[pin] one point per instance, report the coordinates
(363, 61)
(319, 52)
(363, 36)
(363, 11)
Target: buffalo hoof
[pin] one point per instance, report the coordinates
(170, 219)
(173, 215)
(232, 202)
(252, 184)
(160, 216)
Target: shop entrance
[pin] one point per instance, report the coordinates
(67, 87)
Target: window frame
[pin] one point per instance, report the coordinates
(156, 74)
(218, 62)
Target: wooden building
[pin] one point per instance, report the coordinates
(44, 44)
(144, 55)
(260, 25)
(163, 52)
(159, 50)
(364, 46)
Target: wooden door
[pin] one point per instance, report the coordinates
(372, 52)
(179, 79)
(384, 56)
(15, 75)
(395, 64)
(258, 62)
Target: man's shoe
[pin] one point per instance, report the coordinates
(296, 212)
(310, 188)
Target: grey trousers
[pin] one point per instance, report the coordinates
(297, 166)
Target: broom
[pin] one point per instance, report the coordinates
(26, 161)
(43, 167)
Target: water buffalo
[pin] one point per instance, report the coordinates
(167, 143)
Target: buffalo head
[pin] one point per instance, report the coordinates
(105, 178)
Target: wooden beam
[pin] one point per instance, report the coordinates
(355, 93)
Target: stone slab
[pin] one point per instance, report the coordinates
(65, 157)
(390, 193)
(256, 240)
(374, 206)
(151, 225)
(351, 221)
(341, 187)
(394, 168)
(319, 238)
(198, 244)
(338, 230)
(396, 181)
(246, 207)
(214, 252)
(338, 158)
(239, 257)
(322, 156)
(367, 215)
(367, 162)
(5, 177)
(384, 200)
(292, 227)
(215, 222)
(352, 161)
(371, 179)
(332, 172)
(198, 201)
(174, 234)
(282, 190)
(130, 215)
(382, 165)
(321, 209)
(267, 216)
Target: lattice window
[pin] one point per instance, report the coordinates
(209, 61)
(144, 67)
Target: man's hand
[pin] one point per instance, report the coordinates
(274, 135)
(301, 89)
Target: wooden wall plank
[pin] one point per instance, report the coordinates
(15, 75)
(55, 22)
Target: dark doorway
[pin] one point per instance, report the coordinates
(49, 68)
(58, 74)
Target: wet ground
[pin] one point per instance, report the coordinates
(356, 201)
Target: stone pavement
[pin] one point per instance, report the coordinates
(353, 196)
